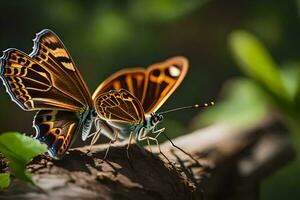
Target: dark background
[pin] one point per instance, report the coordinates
(105, 36)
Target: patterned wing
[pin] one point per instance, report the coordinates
(162, 80)
(119, 106)
(45, 79)
(132, 80)
(56, 129)
(151, 86)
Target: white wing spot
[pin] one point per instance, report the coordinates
(174, 71)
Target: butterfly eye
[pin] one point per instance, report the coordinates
(153, 119)
(156, 118)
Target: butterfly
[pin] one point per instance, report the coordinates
(47, 81)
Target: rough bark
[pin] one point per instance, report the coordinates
(234, 161)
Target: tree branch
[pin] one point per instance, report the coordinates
(238, 157)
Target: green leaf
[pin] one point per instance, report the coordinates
(256, 62)
(19, 149)
(291, 77)
(4, 180)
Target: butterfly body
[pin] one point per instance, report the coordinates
(47, 81)
(151, 121)
(88, 123)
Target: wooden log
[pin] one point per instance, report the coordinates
(233, 162)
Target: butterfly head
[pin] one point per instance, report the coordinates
(155, 118)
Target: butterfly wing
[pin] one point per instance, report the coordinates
(119, 107)
(45, 79)
(132, 80)
(151, 86)
(48, 81)
(162, 80)
(56, 128)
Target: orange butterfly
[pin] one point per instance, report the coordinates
(47, 81)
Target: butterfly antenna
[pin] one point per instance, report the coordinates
(188, 107)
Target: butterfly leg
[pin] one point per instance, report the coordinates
(128, 145)
(180, 149)
(98, 128)
(158, 146)
(110, 143)
(149, 145)
(143, 136)
(96, 136)
(158, 132)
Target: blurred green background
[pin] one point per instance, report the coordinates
(250, 48)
